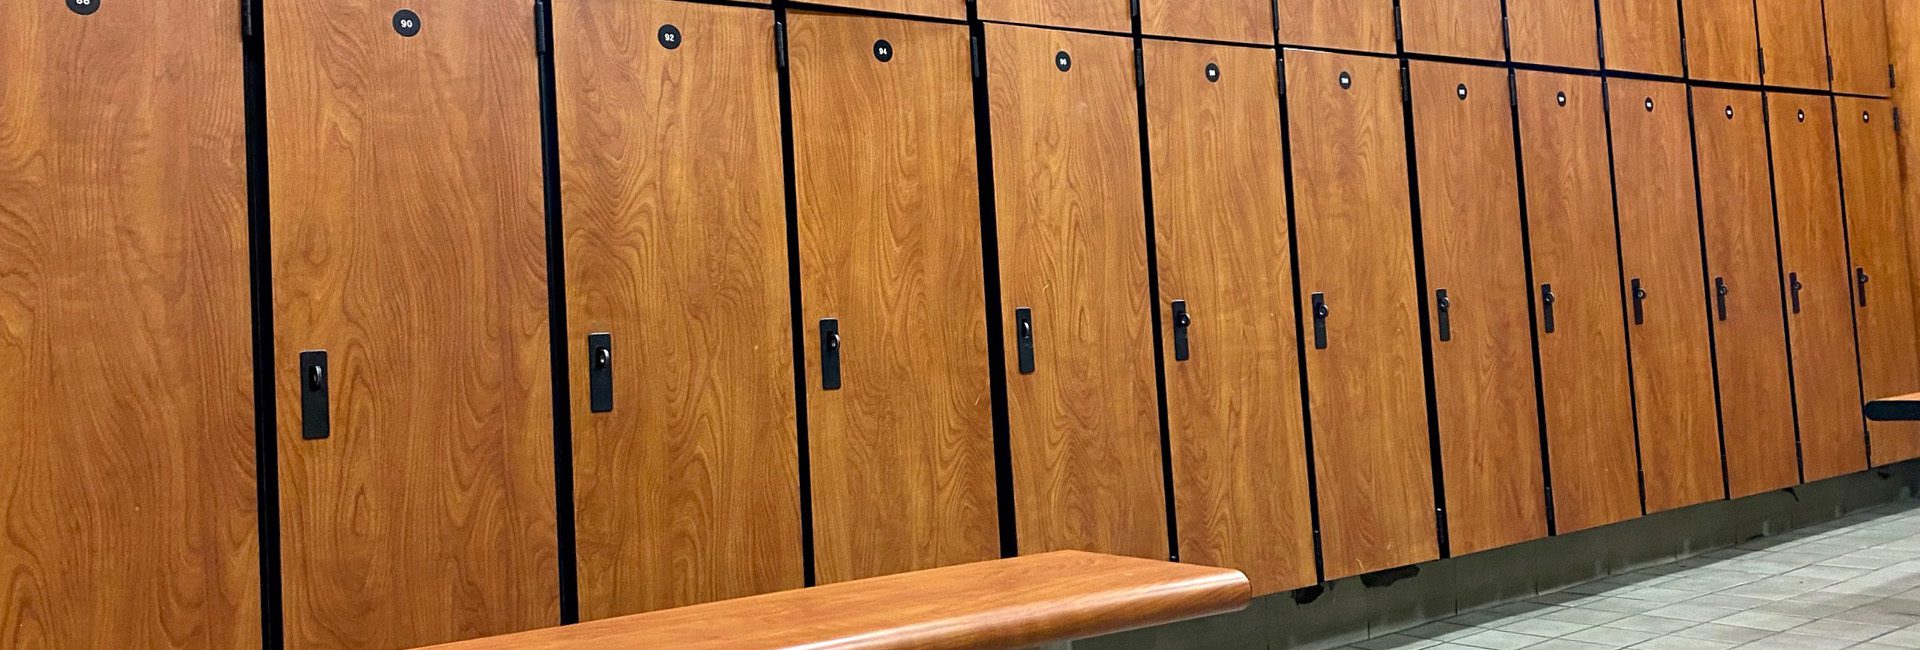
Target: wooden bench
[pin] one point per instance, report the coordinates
(1010, 603)
(1905, 408)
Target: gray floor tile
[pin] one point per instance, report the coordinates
(1611, 637)
(1723, 632)
(1797, 642)
(1651, 623)
(1395, 642)
(1500, 640)
(1765, 621)
(1843, 630)
(1543, 627)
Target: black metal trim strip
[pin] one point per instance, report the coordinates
(790, 180)
(1299, 320)
(996, 315)
(1706, 271)
(569, 568)
(1780, 266)
(266, 449)
(1626, 324)
(1436, 457)
(1153, 295)
(1533, 305)
(1846, 229)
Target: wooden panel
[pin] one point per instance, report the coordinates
(1877, 231)
(1641, 36)
(1813, 250)
(1238, 21)
(408, 241)
(1903, 40)
(1721, 41)
(1472, 29)
(1084, 425)
(1233, 406)
(1660, 247)
(1361, 25)
(1586, 385)
(1105, 15)
(1750, 342)
(1366, 389)
(1554, 32)
(951, 9)
(126, 390)
(1793, 42)
(1857, 39)
(683, 260)
(1483, 366)
(889, 209)
(1012, 603)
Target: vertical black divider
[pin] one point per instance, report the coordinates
(1299, 324)
(793, 280)
(1153, 290)
(1706, 271)
(1620, 259)
(266, 454)
(1846, 229)
(557, 319)
(1786, 322)
(1533, 309)
(1420, 290)
(990, 263)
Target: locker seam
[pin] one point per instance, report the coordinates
(995, 313)
(1846, 239)
(1620, 258)
(266, 457)
(560, 367)
(790, 182)
(1153, 287)
(1533, 309)
(1780, 265)
(1706, 270)
(1436, 459)
(1299, 327)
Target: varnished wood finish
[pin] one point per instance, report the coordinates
(1366, 391)
(1084, 426)
(1013, 603)
(408, 241)
(688, 491)
(1721, 41)
(1102, 15)
(889, 209)
(126, 393)
(1750, 343)
(1361, 25)
(1233, 407)
(1483, 372)
(1473, 29)
(1588, 395)
(1793, 42)
(1554, 32)
(1857, 38)
(1902, 408)
(1877, 232)
(1813, 244)
(950, 9)
(1660, 246)
(1642, 36)
(1238, 21)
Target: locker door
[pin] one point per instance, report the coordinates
(1476, 272)
(1667, 322)
(1857, 40)
(1366, 390)
(681, 261)
(1721, 41)
(1793, 42)
(1641, 36)
(1473, 29)
(1877, 230)
(1104, 15)
(1361, 25)
(950, 9)
(901, 438)
(1225, 256)
(1082, 402)
(1554, 32)
(1585, 383)
(408, 245)
(1743, 269)
(1819, 291)
(1238, 21)
(126, 393)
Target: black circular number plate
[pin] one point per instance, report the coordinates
(1729, 112)
(1063, 60)
(669, 36)
(1346, 79)
(405, 22)
(1461, 91)
(883, 50)
(1213, 72)
(1561, 98)
(1649, 104)
(1865, 117)
(1800, 115)
(84, 7)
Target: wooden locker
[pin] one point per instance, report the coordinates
(1877, 231)
(893, 300)
(1236, 21)
(1641, 36)
(1743, 268)
(1672, 351)
(1793, 42)
(1586, 385)
(681, 263)
(1101, 15)
(1359, 25)
(126, 373)
(1229, 331)
(1473, 29)
(416, 456)
(949, 9)
(1819, 290)
(1857, 41)
(1554, 32)
(1721, 41)
(1476, 271)
(1082, 400)
(1360, 304)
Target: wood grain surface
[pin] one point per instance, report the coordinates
(1722, 44)
(1366, 390)
(1857, 39)
(1642, 36)
(127, 506)
(1877, 233)
(1793, 42)
(1585, 380)
(885, 164)
(1474, 29)
(1237, 21)
(689, 490)
(1012, 603)
(1903, 40)
(408, 242)
(1813, 244)
(1102, 15)
(1554, 32)
(1750, 345)
(949, 9)
(1659, 243)
(1360, 25)
(1084, 426)
(1234, 406)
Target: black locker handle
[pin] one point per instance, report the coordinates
(1860, 277)
(1547, 298)
(600, 372)
(1639, 303)
(1023, 335)
(1445, 304)
(1182, 321)
(315, 420)
(1793, 281)
(829, 354)
(1720, 291)
(1320, 313)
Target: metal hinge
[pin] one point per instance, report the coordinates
(1406, 86)
(1513, 91)
(1763, 64)
(978, 57)
(780, 45)
(1139, 68)
(1280, 72)
(1440, 525)
(1893, 80)
(542, 31)
(246, 19)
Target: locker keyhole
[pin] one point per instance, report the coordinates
(316, 378)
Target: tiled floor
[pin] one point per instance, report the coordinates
(1850, 583)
